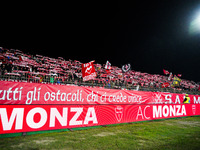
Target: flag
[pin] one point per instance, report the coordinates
(179, 75)
(108, 65)
(88, 71)
(126, 67)
(23, 58)
(176, 82)
(164, 85)
(170, 76)
(165, 72)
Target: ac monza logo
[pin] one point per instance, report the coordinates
(158, 98)
(88, 69)
(119, 113)
(194, 109)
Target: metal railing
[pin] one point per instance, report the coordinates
(91, 83)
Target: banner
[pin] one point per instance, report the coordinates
(126, 67)
(88, 71)
(38, 93)
(25, 118)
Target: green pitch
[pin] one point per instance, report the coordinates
(181, 133)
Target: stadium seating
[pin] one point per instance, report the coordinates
(16, 65)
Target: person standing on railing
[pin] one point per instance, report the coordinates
(52, 79)
(186, 99)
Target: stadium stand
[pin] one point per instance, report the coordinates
(18, 66)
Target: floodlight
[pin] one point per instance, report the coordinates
(195, 25)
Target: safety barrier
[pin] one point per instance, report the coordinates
(30, 107)
(62, 81)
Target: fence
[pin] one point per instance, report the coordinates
(92, 83)
(30, 107)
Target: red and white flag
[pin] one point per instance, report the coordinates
(179, 75)
(164, 85)
(88, 71)
(23, 58)
(165, 72)
(108, 65)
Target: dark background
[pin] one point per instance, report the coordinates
(150, 35)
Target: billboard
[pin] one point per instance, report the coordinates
(26, 107)
(26, 118)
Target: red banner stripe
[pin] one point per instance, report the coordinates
(25, 118)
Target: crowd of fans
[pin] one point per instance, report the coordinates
(16, 65)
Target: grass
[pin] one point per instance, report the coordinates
(183, 133)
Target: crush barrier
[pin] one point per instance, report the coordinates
(33, 107)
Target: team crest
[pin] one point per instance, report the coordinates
(119, 113)
(158, 98)
(194, 109)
